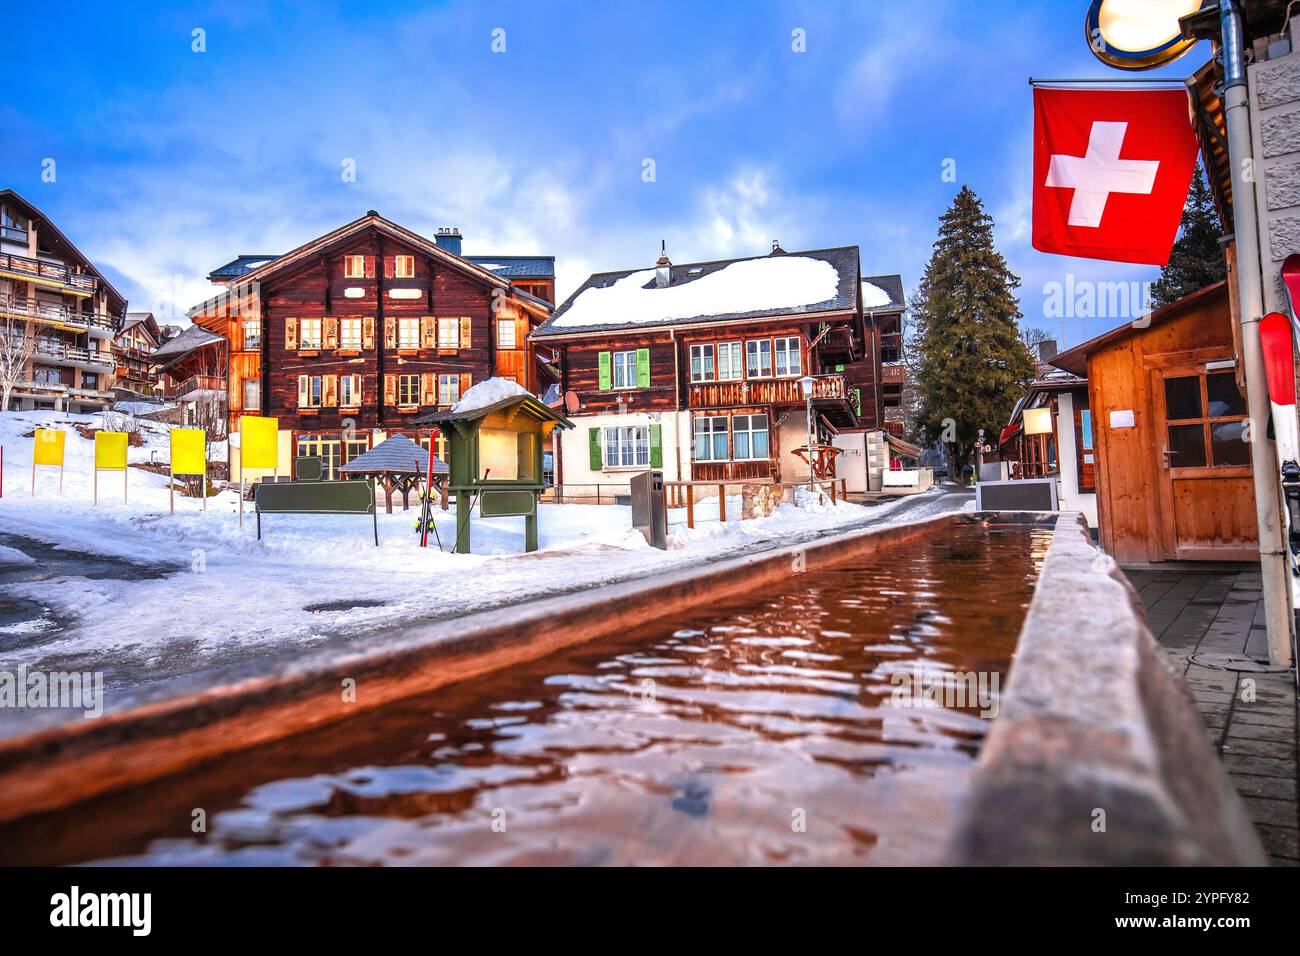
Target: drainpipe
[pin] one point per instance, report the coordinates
(1274, 569)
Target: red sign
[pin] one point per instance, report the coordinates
(1111, 172)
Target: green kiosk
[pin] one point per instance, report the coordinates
(495, 436)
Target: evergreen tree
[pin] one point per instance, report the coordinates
(1196, 259)
(969, 361)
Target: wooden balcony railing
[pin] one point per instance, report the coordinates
(769, 391)
(893, 374)
(72, 353)
(199, 383)
(21, 267)
(21, 307)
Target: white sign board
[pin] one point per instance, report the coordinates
(1122, 418)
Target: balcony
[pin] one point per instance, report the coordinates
(201, 383)
(21, 307)
(893, 373)
(73, 355)
(770, 391)
(46, 273)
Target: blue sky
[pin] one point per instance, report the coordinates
(169, 162)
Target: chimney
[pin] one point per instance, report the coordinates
(776, 248)
(663, 268)
(1046, 349)
(448, 238)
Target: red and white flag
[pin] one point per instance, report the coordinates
(1111, 172)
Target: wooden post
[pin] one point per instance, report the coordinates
(95, 484)
(171, 484)
(722, 503)
(33, 475)
(832, 491)
(690, 506)
(126, 483)
(241, 481)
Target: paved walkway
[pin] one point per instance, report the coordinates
(1251, 717)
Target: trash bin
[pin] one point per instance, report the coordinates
(649, 512)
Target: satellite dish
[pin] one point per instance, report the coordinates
(571, 403)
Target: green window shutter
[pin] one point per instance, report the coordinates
(593, 443)
(605, 382)
(642, 368)
(656, 446)
(839, 368)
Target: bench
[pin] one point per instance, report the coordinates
(311, 496)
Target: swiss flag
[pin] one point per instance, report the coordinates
(1111, 172)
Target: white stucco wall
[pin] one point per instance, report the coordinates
(1071, 499)
(675, 440)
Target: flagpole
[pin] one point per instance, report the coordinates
(1274, 570)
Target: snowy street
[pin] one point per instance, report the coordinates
(161, 602)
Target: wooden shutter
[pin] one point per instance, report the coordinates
(370, 267)
(593, 447)
(304, 391)
(642, 368)
(429, 331)
(465, 337)
(331, 333)
(466, 382)
(390, 390)
(428, 388)
(390, 332)
(329, 391)
(290, 333)
(656, 446)
(368, 332)
(604, 371)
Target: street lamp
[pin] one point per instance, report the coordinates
(806, 384)
(1139, 34)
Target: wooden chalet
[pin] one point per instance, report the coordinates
(349, 337)
(696, 368)
(133, 346)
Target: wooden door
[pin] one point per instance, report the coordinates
(1206, 490)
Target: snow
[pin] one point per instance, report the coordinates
(151, 598)
(752, 285)
(487, 393)
(873, 297)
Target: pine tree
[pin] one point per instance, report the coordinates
(970, 363)
(1197, 258)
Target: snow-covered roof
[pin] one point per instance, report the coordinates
(882, 292)
(487, 393)
(824, 280)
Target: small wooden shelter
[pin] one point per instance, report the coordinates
(496, 434)
(398, 464)
(1174, 479)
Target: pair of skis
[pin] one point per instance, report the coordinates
(425, 523)
(1277, 333)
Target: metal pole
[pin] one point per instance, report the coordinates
(1273, 560)
(810, 442)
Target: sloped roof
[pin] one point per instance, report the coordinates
(891, 285)
(396, 454)
(843, 298)
(240, 266)
(517, 267)
(190, 340)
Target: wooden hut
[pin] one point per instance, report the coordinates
(1174, 479)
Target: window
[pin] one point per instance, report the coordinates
(309, 333)
(355, 448)
(627, 446)
(403, 267)
(252, 395)
(408, 333)
(749, 436)
(354, 267)
(702, 369)
(1087, 459)
(349, 333)
(730, 367)
(711, 439)
(408, 390)
(349, 391)
(1205, 422)
(309, 391)
(758, 354)
(624, 366)
(449, 333)
(448, 389)
(788, 358)
(326, 449)
(506, 334)
(252, 332)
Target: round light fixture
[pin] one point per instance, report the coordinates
(1139, 34)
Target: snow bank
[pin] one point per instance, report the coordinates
(753, 285)
(488, 393)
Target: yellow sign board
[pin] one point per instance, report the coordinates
(189, 451)
(258, 444)
(110, 451)
(49, 447)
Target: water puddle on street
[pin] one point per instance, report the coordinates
(758, 730)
